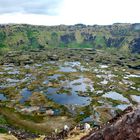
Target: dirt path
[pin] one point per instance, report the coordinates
(7, 137)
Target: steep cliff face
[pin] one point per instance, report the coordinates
(114, 42)
(68, 38)
(135, 45)
(113, 36)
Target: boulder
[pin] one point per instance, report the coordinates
(122, 127)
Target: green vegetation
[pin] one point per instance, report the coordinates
(79, 73)
(28, 123)
(3, 130)
(124, 37)
(2, 120)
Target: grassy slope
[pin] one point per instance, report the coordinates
(41, 127)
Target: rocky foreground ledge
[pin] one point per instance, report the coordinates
(125, 126)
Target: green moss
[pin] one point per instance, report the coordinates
(86, 113)
(136, 80)
(3, 130)
(2, 120)
(27, 122)
(99, 42)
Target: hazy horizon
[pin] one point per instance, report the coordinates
(65, 24)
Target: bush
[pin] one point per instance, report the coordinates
(2, 120)
(4, 51)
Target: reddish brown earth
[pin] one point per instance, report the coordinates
(125, 126)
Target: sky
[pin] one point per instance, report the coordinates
(69, 12)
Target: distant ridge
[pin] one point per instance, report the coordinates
(124, 36)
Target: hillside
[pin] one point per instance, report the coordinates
(125, 37)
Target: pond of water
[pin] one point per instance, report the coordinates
(25, 93)
(2, 97)
(115, 96)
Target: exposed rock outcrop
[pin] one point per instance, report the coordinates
(135, 45)
(123, 127)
